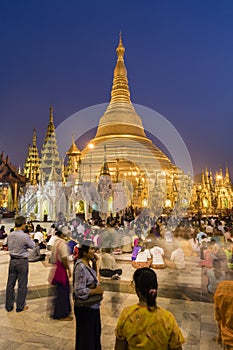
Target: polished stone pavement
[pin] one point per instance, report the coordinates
(34, 328)
(181, 292)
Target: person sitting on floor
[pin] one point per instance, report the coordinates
(177, 260)
(215, 275)
(108, 266)
(34, 254)
(40, 236)
(218, 253)
(157, 258)
(207, 254)
(126, 243)
(186, 245)
(195, 245)
(143, 258)
(136, 248)
(51, 232)
(4, 238)
(3, 233)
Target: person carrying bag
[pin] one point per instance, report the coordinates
(87, 294)
(92, 299)
(58, 273)
(59, 278)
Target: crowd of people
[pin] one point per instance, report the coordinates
(91, 248)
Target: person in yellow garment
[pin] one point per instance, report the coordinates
(145, 325)
(223, 307)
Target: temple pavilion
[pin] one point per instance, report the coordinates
(11, 183)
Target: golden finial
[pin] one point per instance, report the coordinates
(120, 89)
(120, 49)
(203, 177)
(120, 37)
(51, 114)
(34, 137)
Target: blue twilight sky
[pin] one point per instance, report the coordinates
(179, 57)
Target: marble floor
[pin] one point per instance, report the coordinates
(34, 328)
(182, 292)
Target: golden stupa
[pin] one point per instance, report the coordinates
(121, 141)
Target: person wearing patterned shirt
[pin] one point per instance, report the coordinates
(145, 325)
(223, 307)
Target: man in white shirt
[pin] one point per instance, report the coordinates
(40, 236)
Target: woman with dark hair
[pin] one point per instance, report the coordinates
(146, 325)
(59, 256)
(88, 323)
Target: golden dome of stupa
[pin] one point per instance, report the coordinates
(121, 140)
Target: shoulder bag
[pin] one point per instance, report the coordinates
(92, 299)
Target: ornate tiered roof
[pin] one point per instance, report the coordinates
(50, 162)
(32, 164)
(8, 173)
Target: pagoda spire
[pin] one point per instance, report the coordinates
(120, 88)
(221, 176)
(51, 127)
(73, 161)
(207, 179)
(120, 117)
(227, 177)
(211, 178)
(32, 163)
(203, 179)
(49, 154)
